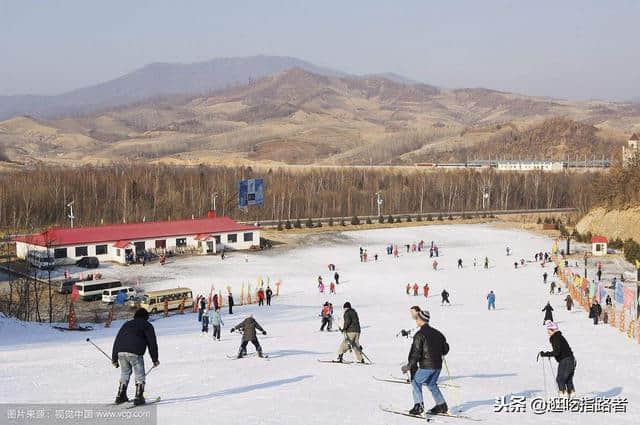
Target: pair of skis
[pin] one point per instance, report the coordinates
(235, 356)
(402, 380)
(129, 404)
(344, 362)
(426, 416)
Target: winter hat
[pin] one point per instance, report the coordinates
(141, 313)
(424, 315)
(347, 305)
(552, 326)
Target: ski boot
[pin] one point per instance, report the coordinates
(418, 409)
(122, 394)
(139, 399)
(339, 359)
(361, 361)
(439, 409)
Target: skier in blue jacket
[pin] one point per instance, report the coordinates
(491, 300)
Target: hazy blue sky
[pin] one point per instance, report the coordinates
(563, 48)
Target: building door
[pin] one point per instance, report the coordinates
(209, 247)
(139, 248)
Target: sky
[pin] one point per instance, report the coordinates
(579, 49)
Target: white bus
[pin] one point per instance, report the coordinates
(153, 301)
(110, 295)
(41, 260)
(90, 290)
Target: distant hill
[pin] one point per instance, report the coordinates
(301, 117)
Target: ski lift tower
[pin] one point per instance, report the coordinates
(71, 216)
(378, 201)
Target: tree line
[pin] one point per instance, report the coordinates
(37, 198)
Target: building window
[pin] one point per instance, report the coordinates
(118, 252)
(82, 251)
(60, 253)
(232, 238)
(199, 244)
(248, 237)
(217, 238)
(161, 244)
(101, 249)
(181, 242)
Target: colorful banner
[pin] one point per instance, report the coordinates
(602, 293)
(592, 289)
(619, 293)
(638, 305)
(628, 298)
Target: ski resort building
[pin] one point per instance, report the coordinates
(599, 245)
(117, 242)
(632, 149)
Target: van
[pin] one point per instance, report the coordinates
(110, 295)
(88, 262)
(65, 285)
(90, 290)
(153, 301)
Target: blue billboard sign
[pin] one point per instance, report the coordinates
(250, 192)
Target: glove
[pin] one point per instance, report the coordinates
(264, 332)
(156, 363)
(405, 368)
(115, 364)
(542, 354)
(232, 329)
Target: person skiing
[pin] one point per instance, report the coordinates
(269, 294)
(425, 290)
(216, 322)
(595, 311)
(445, 297)
(425, 363)
(544, 278)
(351, 332)
(508, 251)
(336, 277)
(434, 265)
(416, 288)
(248, 327)
(132, 340)
(486, 262)
(548, 315)
(332, 288)
(261, 297)
(607, 301)
(553, 287)
(459, 263)
(202, 306)
(491, 300)
(230, 299)
(564, 356)
(569, 301)
(205, 322)
(325, 313)
(408, 288)
(321, 287)
(330, 318)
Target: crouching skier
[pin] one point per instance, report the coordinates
(128, 350)
(248, 327)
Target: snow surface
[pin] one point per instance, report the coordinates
(493, 353)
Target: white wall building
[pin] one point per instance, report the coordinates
(117, 241)
(527, 165)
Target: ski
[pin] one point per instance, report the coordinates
(405, 413)
(455, 415)
(335, 361)
(155, 400)
(235, 356)
(397, 380)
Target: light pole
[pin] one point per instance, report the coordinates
(378, 201)
(214, 195)
(485, 197)
(71, 216)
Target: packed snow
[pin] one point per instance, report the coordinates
(493, 353)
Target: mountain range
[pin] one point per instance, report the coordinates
(284, 110)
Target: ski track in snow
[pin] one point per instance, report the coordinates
(493, 353)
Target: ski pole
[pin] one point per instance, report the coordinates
(99, 349)
(352, 345)
(544, 377)
(149, 371)
(454, 390)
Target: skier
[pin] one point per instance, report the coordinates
(486, 262)
(320, 280)
(475, 262)
(202, 306)
(416, 288)
(459, 263)
(216, 322)
(336, 277)
(330, 318)
(332, 288)
(508, 251)
(607, 301)
(515, 264)
(321, 287)
(544, 277)
(569, 301)
(375, 256)
(325, 316)
(491, 300)
(261, 297)
(435, 265)
(205, 322)
(351, 331)
(425, 290)
(445, 297)
(599, 274)
(332, 267)
(128, 353)
(248, 327)
(547, 313)
(408, 288)
(564, 356)
(269, 294)
(553, 287)
(595, 311)
(425, 364)
(230, 303)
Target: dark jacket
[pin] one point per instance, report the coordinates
(560, 347)
(134, 337)
(269, 292)
(248, 326)
(231, 300)
(547, 312)
(351, 321)
(429, 345)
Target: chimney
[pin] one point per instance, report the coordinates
(211, 214)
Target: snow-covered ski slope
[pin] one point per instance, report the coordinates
(493, 353)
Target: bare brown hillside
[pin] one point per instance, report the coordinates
(299, 117)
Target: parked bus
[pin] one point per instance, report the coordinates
(41, 260)
(153, 301)
(91, 290)
(110, 295)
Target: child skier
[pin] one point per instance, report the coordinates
(248, 326)
(216, 322)
(205, 322)
(325, 313)
(564, 356)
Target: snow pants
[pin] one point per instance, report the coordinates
(492, 304)
(131, 362)
(243, 346)
(325, 322)
(566, 369)
(354, 337)
(428, 377)
(216, 332)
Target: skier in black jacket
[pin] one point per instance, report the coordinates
(269, 294)
(128, 350)
(351, 332)
(564, 356)
(425, 364)
(248, 327)
(548, 315)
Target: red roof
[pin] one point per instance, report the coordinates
(634, 136)
(599, 239)
(123, 233)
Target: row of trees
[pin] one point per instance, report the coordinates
(38, 198)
